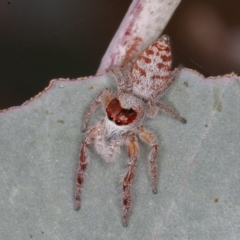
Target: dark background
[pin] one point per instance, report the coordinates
(42, 40)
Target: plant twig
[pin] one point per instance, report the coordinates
(142, 24)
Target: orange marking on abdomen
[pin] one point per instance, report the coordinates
(161, 65)
(149, 52)
(159, 47)
(166, 58)
(154, 77)
(145, 59)
(141, 71)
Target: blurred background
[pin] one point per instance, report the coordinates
(42, 40)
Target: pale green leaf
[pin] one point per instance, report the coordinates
(199, 167)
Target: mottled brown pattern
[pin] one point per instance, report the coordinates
(145, 59)
(154, 77)
(149, 52)
(141, 71)
(158, 46)
(166, 58)
(161, 65)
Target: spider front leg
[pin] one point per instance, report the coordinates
(105, 97)
(83, 163)
(149, 138)
(133, 152)
(170, 111)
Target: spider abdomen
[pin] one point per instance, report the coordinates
(151, 70)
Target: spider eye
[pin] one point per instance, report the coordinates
(110, 117)
(118, 122)
(132, 112)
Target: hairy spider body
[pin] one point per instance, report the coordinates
(139, 88)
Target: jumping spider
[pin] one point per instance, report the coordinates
(139, 88)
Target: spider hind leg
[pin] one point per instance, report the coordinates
(133, 152)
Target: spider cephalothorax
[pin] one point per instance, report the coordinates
(139, 88)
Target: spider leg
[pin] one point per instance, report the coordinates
(127, 73)
(104, 96)
(149, 138)
(170, 111)
(133, 152)
(83, 163)
(119, 77)
(123, 76)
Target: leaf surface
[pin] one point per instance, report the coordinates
(198, 192)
